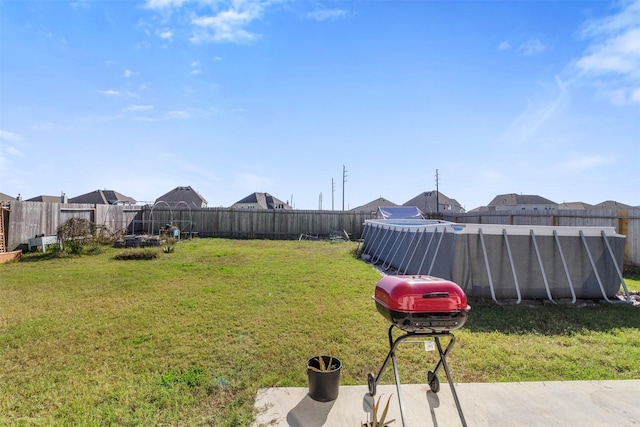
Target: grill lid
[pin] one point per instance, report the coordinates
(420, 294)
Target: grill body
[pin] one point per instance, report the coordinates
(421, 303)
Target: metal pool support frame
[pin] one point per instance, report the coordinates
(505, 263)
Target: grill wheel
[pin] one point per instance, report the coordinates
(434, 382)
(371, 382)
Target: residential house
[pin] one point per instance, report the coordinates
(261, 201)
(430, 202)
(372, 207)
(575, 206)
(181, 196)
(103, 197)
(49, 199)
(521, 202)
(5, 198)
(612, 205)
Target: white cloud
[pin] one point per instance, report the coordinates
(109, 92)
(129, 73)
(228, 25)
(7, 150)
(164, 4)
(133, 108)
(212, 21)
(178, 114)
(505, 45)
(537, 114)
(9, 136)
(327, 14)
(614, 52)
(166, 35)
(532, 47)
(217, 58)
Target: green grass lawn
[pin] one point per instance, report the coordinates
(189, 337)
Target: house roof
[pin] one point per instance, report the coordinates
(183, 194)
(373, 205)
(102, 197)
(46, 199)
(263, 200)
(578, 206)
(612, 205)
(514, 199)
(427, 201)
(6, 198)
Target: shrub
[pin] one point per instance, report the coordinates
(137, 254)
(74, 234)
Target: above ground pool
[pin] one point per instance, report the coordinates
(502, 262)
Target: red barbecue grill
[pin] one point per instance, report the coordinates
(422, 306)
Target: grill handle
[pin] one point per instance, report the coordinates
(436, 295)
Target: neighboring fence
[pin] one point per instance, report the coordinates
(28, 219)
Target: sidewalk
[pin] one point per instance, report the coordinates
(559, 403)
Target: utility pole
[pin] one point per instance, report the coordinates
(437, 194)
(344, 179)
(333, 191)
(320, 202)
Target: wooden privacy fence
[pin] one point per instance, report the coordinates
(29, 219)
(253, 224)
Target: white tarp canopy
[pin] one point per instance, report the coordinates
(398, 212)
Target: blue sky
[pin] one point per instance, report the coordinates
(232, 97)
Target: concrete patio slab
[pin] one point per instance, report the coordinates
(561, 403)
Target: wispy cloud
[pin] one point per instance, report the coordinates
(505, 45)
(176, 114)
(327, 14)
(109, 92)
(134, 108)
(614, 52)
(129, 73)
(195, 69)
(7, 148)
(223, 21)
(9, 136)
(226, 26)
(164, 4)
(166, 34)
(532, 47)
(537, 113)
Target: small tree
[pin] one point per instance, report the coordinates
(74, 234)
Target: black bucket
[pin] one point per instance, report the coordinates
(324, 385)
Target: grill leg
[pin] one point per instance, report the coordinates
(391, 356)
(443, 360)
(397, 376)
